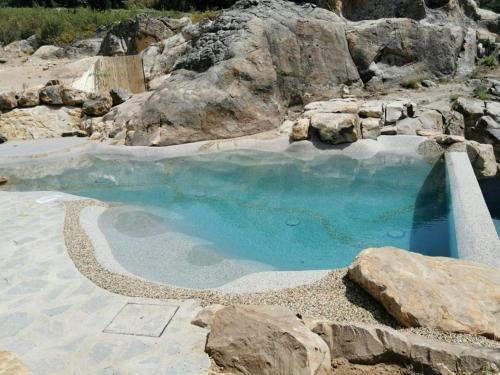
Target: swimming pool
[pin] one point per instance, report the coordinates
(203, 221)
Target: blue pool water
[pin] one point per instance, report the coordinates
(203, 221)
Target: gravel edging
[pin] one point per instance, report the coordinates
(334, 297)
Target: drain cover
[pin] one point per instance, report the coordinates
(142, 320)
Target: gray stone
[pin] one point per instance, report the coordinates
(336, 128)
(51, 95)
(393, 112)
(239, 73)
(389, 130)
(428, 83)
(370, 127)
(130, 37)
(409, 126)
(119, 95)
(482, 158)
(471, 109)
(371, 108)
(46, 52)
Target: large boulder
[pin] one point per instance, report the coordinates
(130, 37)
(264, 340)
(39, 122)
(391, 49)
(29, 98)
(482, 158)
(97, 104)
(419, 291)
(239, 73)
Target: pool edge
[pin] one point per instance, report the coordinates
(476, 237)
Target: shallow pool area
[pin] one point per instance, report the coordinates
(204, 221)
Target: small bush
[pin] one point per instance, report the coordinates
(411, 83)
(198, 16)
(454, 98)
(490, 61)
(481, 92)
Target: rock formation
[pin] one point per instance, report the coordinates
(274, 340)
(238, 74)
(444, 293)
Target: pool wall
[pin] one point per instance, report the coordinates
(476, 237)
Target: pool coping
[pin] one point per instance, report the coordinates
(476, 236)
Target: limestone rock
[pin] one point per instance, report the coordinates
(482, 158)
(39, 122)
(372, 345)
(46, 52)
(419, 291)
(300, 130)
(393, 112)
(130, 37)
(29, 98)
(51, 95)
(119, 95)
(389, 130)
(336, 128)
(332, 106)
(97, 104)
(72, 97)
(471, 109)
(370, 128)
(205, 317)
(392, 49)
(265, 340)
(493, 110)
(371, 108)
(11, 365)
(8, 100)
(409, 126)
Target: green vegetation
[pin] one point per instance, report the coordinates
(410, 83)
(62, 26)
(454, 98)
(481, 92)
(490, 61)
(493, 5)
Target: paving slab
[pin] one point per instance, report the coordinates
(54, 319)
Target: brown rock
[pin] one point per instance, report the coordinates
(72, 97)
(300, 130)
(419, 291)
(336, 128)
(3, 180)
(8, 100)
(370, 127)
(29, 98)
(11, 365)
(51, 95)
(482, 158)
(265, 340)
(97, 105)
(376, 345)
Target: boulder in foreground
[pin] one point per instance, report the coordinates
(435, 292)
(265, 340)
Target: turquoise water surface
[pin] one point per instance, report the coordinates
(203, 221)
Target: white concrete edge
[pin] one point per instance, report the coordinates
(62, 148)
(255, 282)
(476, 236)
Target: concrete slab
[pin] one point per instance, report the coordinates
(141, 319)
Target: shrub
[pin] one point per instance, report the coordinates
(454, 98)
(490, 61)
(481, 92)
(411, 83)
